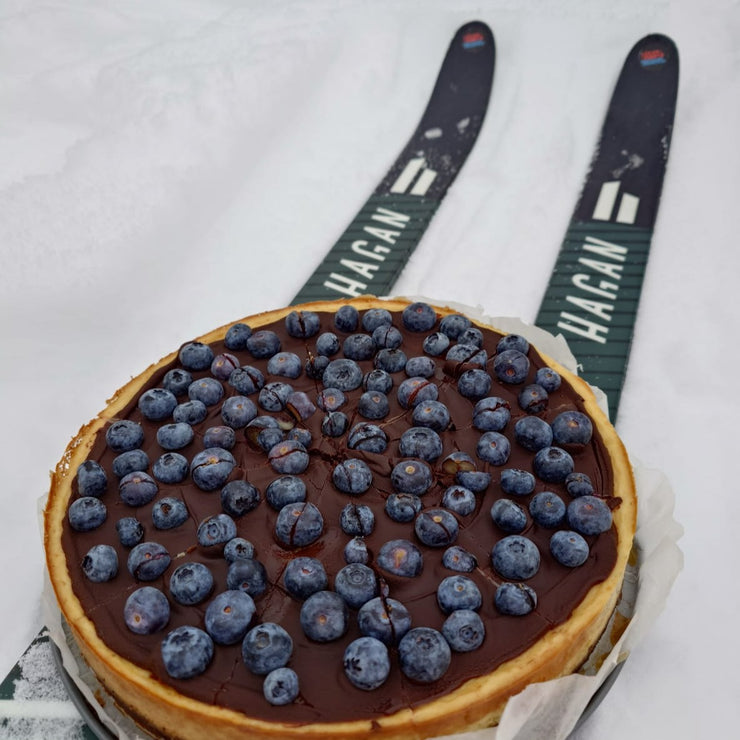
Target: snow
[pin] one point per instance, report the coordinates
(169, 167)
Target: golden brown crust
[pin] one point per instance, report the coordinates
(478, 703)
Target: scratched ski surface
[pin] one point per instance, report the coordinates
(595, 287)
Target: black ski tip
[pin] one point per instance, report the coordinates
(474, 37)
(654, 52)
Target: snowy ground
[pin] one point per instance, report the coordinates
(169, 167)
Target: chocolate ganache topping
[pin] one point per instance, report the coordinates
(289, 419)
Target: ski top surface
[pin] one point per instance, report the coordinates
(371, 253)
(595, 286)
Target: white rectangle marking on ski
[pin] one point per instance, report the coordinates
(410, 171)
(425, 180)
(605, 201)
(627, 212)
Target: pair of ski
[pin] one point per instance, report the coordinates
(594, 290)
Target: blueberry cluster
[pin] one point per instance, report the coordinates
(339, 406)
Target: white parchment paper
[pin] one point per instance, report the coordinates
(548, 710)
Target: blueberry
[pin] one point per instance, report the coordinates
(508, 516)
(436, 343)
(130, 531)
(299, 524)
(157, 404)
(424, 654)
(377, 380)
(169, 512)
(420, 367)
(464, 630)
(223, 365)
(355, 551)
(191, 583)
(553, 464)
(330, 399)
(177, 381)
(147, 561)
(274, 396)
(367, 663)
(390, 360)
(358, 347)
(171, 467)
(216, 529)
(476, 480)
(491, 414)
(334, 424)
(238, 411)
(352, 476)
(302, 324)
(572, 428)
(281, 686)
(247, 380)
(474, 384)
(315, 366)
(264, 432)
(263, 344)
(401, 558)
(579, 484)
(454, 325)
(472, 335)
(86, 513)
(436, 528)
(347, 318)
(413, 391)
(432, 415)
(129, 462)
(533, 399)
(466, 354)
(300, 406)
(403, 507)
(186, 652)
(247, 575)
(511, 366)
(285, 365)
(420, 442)
(387, 336)
(175, 436)
(266, 647)
(547, 509)
(327, 344)
(589, 515)
(237, 335)
(517, 482)
(237, 548)
(548, 378)
(196, 356)
(459, 559)
(304, 576)
(411, 476)
(343, 374)
(367, 437)
(533, 433)
(419, 316)
(373, 405)
(458, 592)
(375, 317)
(190, 412)
(515, 557)
(219, 436)
(239, 497)
(512, 342)
(100, 563)
(357, 519)
(228, 616)
(356, 584)
(385, 619)
(288, 489)
(124, 435)
(324, 616)
(458, 461)
(515, 599)
(459, 499)
(493, 447)
(146, 611)
(91, 479)
(211, 468)
(569, 548)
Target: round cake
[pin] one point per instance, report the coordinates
(340, 519)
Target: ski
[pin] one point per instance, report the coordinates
(595, 286)
(369, 256)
